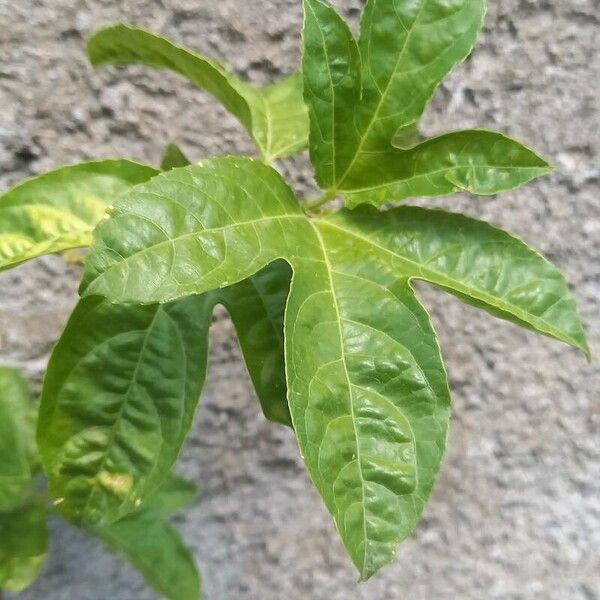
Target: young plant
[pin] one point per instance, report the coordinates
(144, 536)
(335, 340)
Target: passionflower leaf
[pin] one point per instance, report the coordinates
(366, 385)
(275, 115)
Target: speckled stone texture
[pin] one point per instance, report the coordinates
(515, 513)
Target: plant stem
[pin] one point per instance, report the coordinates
(319, 200)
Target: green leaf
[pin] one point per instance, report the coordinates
(153, 546)
(366, 386)
(480, 264)
(368, 396)
(364, 101)
(195, 229)
(17, 449)
(476, 161)
(57, 210)
(118, 400)
(331, 69)
(275, 116)
(172, 158)
(23, 546)
(405, 50)
(256, 306)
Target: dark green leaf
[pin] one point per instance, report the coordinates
(275, 115)
(57, 210)
(17, 448)
(331, 69)
(153, 546)
(172, 158)
(23, 546)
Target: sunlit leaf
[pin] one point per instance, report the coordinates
(58, 210)
(275, 116)
(366, 386)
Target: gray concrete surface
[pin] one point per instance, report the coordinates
(516, 510)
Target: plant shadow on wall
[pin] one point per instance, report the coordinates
(337, 344)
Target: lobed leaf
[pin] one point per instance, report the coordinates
(364, 101)
(195, 229)
(366, 385)
(17, 447)
(275, 116)
(480, 264)
(58, 210)
(153, 546)
(23, 546)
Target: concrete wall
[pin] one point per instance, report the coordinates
(515, 513)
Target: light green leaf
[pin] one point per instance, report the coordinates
(368, 396)
(118, 400)
(17, 447)
(477, 161)
(480, 264)
(57, 210)
(366, 385)
(153, 546)
(331, 69)
(196, 229)
(256, 306)
(407, 49)
(275, 116)
(172, 158)
(23, 546)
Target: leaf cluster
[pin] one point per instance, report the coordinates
(336, 342)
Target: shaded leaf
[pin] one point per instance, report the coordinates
(256, 306)
(153, 546)
(172, 158)
(17, 446)
(57, 210)
(119, 396)
(275, 116)
(23, 546)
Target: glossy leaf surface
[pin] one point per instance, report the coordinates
(17, 450)
(275, 116)
(58, 210)
(23, 546)
(256, 306)
(365, 97)
(153, 546)
(119, 396)
(476, 161)
(366, 385)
